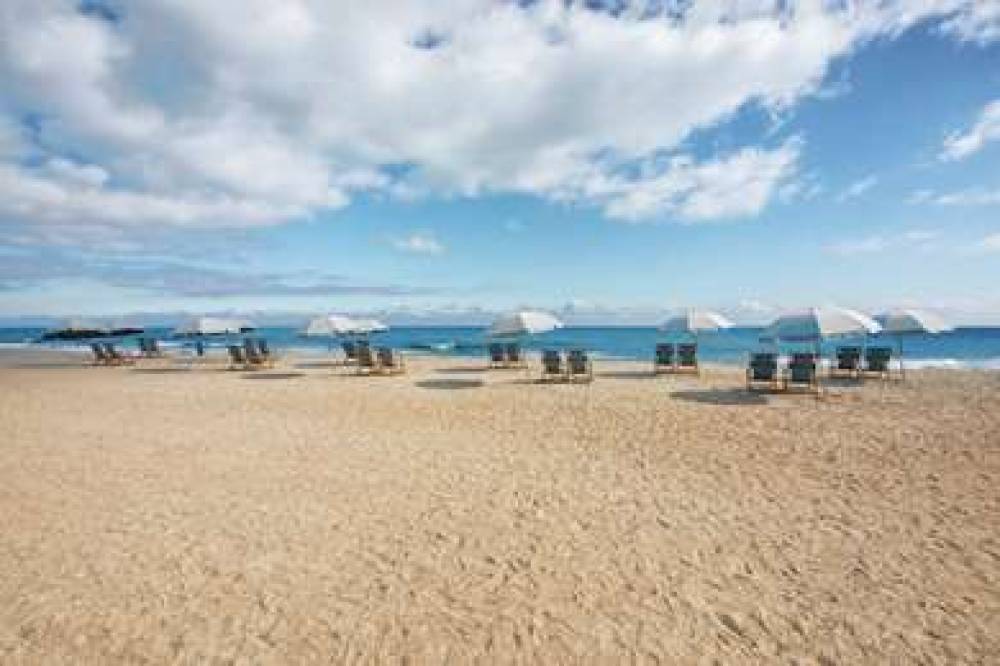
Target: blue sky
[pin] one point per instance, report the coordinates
(609, 165)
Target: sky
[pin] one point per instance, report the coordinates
(441, 160)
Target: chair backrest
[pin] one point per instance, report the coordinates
(552, 361)
(98, 350)
(110, 350)
(153, 345)
(365, 357)
(877, 358)
(802, 367)
(848, 358)
(513, 351)
(496, 352)
(263, 348)
(236, 354)
(143, 345)
(687, 354)
(763, 366)
(249, 347)
(577, 362)
(199, 348)
(664, 354)
(350, 349)
(386, 357)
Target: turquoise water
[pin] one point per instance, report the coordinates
(964, 347)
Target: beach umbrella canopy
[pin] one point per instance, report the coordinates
(815, 324)
(366, 326)
(329, 325)
(906, 321)
(524, 322)
(696, 321)
(212, 326)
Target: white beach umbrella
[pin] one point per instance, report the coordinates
(524, 322)
(906, 321)
(330, 325)
(693, 322)
(365, 326)
(816, 324)
(212, 326)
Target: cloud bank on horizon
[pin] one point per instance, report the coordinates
(227, 114)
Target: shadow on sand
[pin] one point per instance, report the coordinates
(462, 370)
(450, 384)
(318, 365)
(163, 371)
(722, 397)
(274, 375)
(627, 374)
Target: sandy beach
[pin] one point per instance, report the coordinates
(302, 515)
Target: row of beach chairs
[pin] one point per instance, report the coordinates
(506, 356)
(105, 353)
(573, 366)
(372, 361)
(802, 370)
(675, 358)
(251, 355)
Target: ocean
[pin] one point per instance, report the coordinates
(969, 347)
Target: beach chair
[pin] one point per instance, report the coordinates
(579, 366)
(497, 359)
(847, 362)
(877, 361)
(100, 357)
(513, 356)
(367, 362)
(150, 348)
(553, 369)
(687, 358)
(390, 361)
(258, 355)
(115, 356)
(801, 372)
(762, 371)
(237, 358)
(350, 352)
(663, 358)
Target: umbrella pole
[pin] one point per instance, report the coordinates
(902, 368)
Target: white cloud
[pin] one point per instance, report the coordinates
(986, 129)
(254, 112)
(418, 243)
(979, 22)
(738, 185)
(990, 243)
(857, 188)
(915, 239)
(968, 197)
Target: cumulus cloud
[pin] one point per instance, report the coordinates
(418, 243)
(986, 129)
(251, 112)
(979, 22)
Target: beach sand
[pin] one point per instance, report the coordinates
(305, 515)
